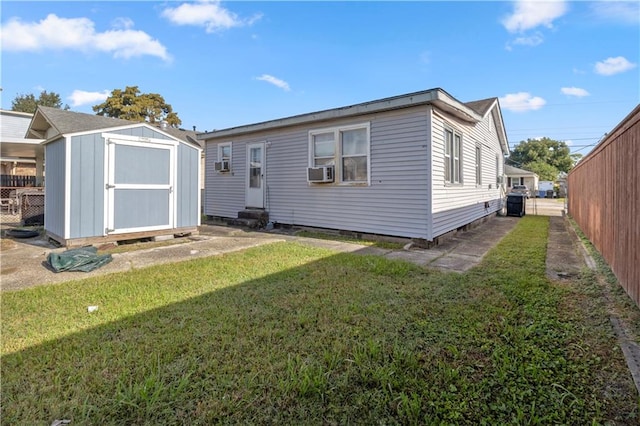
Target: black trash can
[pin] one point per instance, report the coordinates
(516, 205)
(549, 193)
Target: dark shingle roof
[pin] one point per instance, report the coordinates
(72, 122)
(510, 170)
(482, 106)
(184, 135)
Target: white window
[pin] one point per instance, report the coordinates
(478, 165)
(224, 152)
(452, 156)
(346, 148)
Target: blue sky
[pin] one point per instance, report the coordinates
(565, 70)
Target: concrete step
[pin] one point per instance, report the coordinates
(247, 223)
(254, 214)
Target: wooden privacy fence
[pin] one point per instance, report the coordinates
(604, 200)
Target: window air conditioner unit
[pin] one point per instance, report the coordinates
(221, 166)
(320, 174)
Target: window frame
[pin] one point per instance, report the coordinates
(478, 164)
(453, 157)
(338, 155)
(220, 148)
(512, 183)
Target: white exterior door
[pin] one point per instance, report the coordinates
(255, 175)
(139, 192)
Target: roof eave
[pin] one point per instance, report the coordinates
(437, 97)
(39, 125)
(122, 127)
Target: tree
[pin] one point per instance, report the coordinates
(545, 171)
(545, 157)
(130, 104)
(29, 103)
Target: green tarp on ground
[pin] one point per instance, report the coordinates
(84, 259)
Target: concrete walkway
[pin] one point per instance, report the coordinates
(23, 262)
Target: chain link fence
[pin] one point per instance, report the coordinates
(22, 206)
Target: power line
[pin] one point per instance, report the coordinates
(560, 128)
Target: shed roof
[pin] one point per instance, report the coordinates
(68, 122)
(182, 134)
(65, 122)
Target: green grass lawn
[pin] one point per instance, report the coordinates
(289, 334)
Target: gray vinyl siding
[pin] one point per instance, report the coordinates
(87, 186)
(224, 192)
(54, 189)
(187, 186)
(457, 205)
(395, 203)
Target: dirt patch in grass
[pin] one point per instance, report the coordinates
(7, 244)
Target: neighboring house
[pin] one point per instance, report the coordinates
(417, 165)
(21, 159)
(109, 179)
(516, 176)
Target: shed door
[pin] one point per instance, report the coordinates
(139, 186)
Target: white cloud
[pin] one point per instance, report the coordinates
(625, 12)
(574, 91)
(208, 14)
(275, 81)
(521, 102)
(611, 66)
(129, 43)
(58, 33)
(122, 23)
(81, 97)
(533, 40)
(530, 14)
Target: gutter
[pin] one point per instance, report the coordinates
(437, 97)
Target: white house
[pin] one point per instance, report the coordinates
(516, 176)
(417, 165)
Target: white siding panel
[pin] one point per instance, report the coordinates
(224, 192)
(456, 205)
(396, 202)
